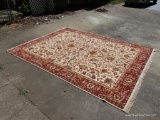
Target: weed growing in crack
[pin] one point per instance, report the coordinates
(22, 92)
(1, 67)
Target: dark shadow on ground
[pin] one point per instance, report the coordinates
(60, 12)
(87, 6)
(139, 6)
(2, 23)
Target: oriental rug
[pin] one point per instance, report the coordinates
(110, 69)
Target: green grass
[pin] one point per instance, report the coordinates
(116, 1)
(3, 12)
(21, 92)
(1, 67)
(15, 13)
(1, 26)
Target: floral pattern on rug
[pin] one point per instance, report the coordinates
(100, 61)
(107, 68)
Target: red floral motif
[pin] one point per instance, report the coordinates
(104, 67)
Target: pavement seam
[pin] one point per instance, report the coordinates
(10, 118)
(27, 98)
(5, 85)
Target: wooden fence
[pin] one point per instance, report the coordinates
(42, 6)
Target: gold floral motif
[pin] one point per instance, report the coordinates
(91, 57)
(117, 97)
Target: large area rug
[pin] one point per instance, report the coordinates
(109, 69)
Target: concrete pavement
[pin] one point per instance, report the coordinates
(14, 106)
(155, 7)
(54, 99)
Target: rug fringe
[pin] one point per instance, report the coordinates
(138, 84)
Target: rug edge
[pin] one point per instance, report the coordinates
(137, 87)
